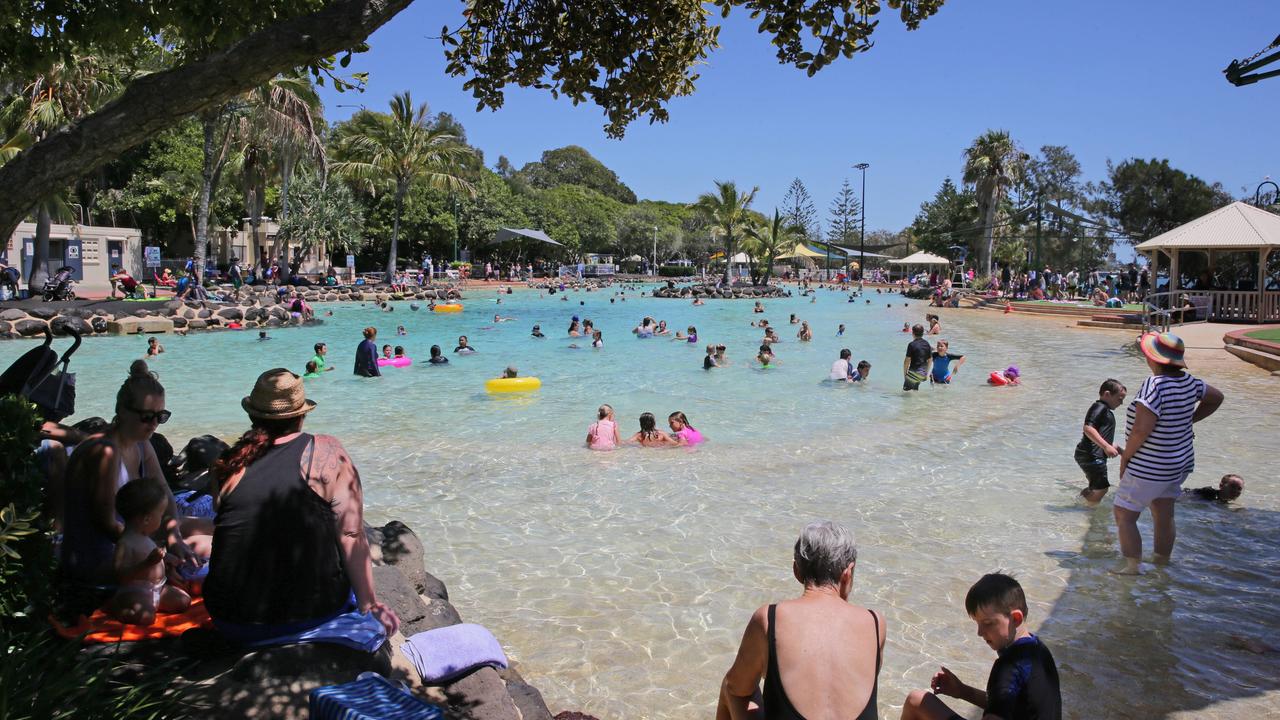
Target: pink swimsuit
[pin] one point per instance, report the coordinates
(691, 436)
(601, 433)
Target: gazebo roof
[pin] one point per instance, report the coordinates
(922, 258)
(1237, 226)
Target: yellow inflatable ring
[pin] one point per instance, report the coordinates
(448, 307)
(515, 384)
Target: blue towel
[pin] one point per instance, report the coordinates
(201, 507)
(446, 653)
(369, 698)
(356, 630)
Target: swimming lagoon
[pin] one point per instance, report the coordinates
(621, 581)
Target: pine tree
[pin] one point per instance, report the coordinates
(845, 209)
(798, 209)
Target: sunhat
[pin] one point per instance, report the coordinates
(1163, 348)
(277, 395)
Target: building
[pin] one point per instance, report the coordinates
(89, 250)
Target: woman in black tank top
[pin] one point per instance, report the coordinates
(289, 549)
(825, 650)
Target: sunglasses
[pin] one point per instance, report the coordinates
(160, 417)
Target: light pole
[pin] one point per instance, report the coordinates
(653, 269)
(1257, 194)
(862, 234)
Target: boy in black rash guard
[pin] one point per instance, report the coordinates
(1098, 440)
(1023, 684)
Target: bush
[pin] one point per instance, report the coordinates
(676, 270)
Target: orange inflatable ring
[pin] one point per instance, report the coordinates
(448, 308)
(997, 378)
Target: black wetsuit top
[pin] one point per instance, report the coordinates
(1100, 418)
(276, 557)
(1024, 683)
(777, 706)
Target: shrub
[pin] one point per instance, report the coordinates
(676, 270)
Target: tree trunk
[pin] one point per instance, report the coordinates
(161, 100)
(728, 258)
(209, 122)
(287, 161)
(401, 189)
(40, 257)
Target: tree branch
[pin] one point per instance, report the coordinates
(155, 102)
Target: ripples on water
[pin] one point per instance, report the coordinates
(621, 581)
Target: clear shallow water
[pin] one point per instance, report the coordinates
(621, 581)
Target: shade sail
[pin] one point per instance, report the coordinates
(801, 251)
(921, 258)
(506, 234)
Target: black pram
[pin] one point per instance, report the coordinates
(58, 287)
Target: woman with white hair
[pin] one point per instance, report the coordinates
(819, 654)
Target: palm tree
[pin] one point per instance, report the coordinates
(52, 100)
(991, 164)
(379, 150)
(727, 210)
(769, 240)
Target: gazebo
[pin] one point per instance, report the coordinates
(921, 258)
(1230, 257)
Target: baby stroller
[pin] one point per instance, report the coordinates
(42, 377)
(59, 287)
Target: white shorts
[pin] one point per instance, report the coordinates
(1136, 494)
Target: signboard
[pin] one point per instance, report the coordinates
(73, 252)
(152, 254)
(351, 261)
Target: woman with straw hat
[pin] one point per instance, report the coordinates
(1159, 453)
(289, 549)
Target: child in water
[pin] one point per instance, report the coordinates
(805, 333)
(1229, 488)
(313, 370)
(649, 436)
(1097, 442)
(597, 339)
(906, 326)
(861, 373)
(682, 430)
(603, 433)
(693, 334)
(138, 562)
(765, 356)
(1008, 376)
(709, 361)
(386, 352)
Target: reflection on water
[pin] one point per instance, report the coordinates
(621, 582)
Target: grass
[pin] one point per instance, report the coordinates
(1268, 334)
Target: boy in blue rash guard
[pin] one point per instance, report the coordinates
(942, 370)
(1023, 684)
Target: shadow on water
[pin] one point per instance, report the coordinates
(1175, 641)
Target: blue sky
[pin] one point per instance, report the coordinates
(1108, 79)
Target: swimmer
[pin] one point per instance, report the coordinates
(906, 327)
(588, 328)
(1010, 376)
(509, 373)
(805, 333)
(942, 358)
(721, 360)
(313, 370)
(537, 332)
(399, 351)
(709, 361)
(400, 330)
(662, 328)
(649, 436)
(1229, 488)
(328, 313)
(464, 347)
(386, 351)
(693, 334)
(597, 339)
(574, 328)
(770, 336)
(765, 356)
(682, 431)
(502, 318)
(437, 357)
(697, 302)
(758, 308)
(935, 324)
(154, 347)
(840, 330)
(841, 370)
(794, 319)
(1097, 441)
(603, 433)
(862, 372)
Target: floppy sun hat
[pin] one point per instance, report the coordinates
(1163, 348)
(277, 395)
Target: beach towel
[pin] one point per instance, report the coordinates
(192, 504)
(371, 696)
(102, 628)
(356, 630)
(446, 653)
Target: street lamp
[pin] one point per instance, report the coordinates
(862, 235)
(1257, 194)
(653, 269)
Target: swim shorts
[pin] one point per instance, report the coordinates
(1095, 471)
(913, 379)
(1135, 494)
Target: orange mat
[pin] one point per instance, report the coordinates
(102, 628)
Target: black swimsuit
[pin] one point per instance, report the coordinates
(777, 706)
